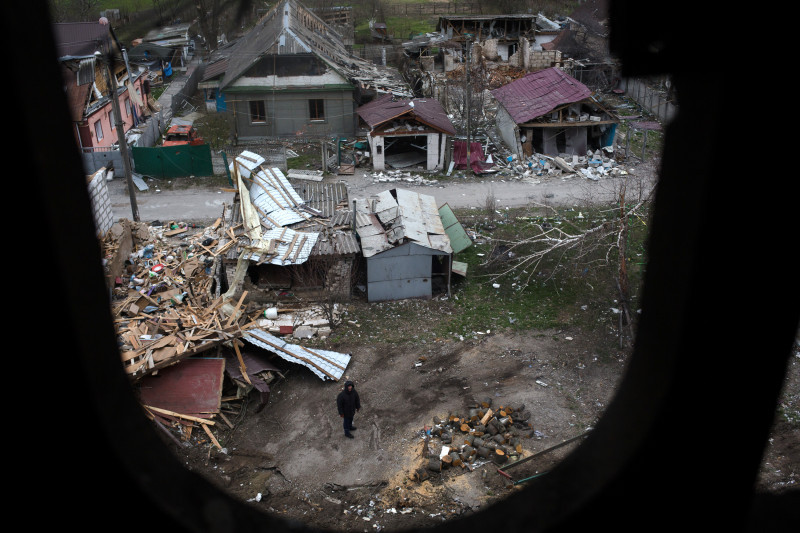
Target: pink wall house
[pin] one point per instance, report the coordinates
(86, 84)
(98, 128)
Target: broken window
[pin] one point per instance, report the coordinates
(98, 130)
(316, 109)
(258, 113)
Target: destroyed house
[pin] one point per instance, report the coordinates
(500, 35)
(290, 238)
(88, 84)
(407, 250)
(293, 75)
(552, 113)
(405, 132)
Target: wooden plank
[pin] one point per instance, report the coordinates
(172, 233)
(299, 248)
(242, 367)
(179, 415)
(211, 435)
(235, 310)
(289, 249)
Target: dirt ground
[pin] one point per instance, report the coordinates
(291, 459)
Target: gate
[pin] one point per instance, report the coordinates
(173, 161)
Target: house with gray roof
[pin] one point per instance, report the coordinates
(292, 75)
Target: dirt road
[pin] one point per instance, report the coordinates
(201, 203)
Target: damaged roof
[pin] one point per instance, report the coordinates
(426, 110)
(290, 28)
(396, 217)
(286, 224)
(538, 93)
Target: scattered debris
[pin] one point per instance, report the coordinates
(468, 441)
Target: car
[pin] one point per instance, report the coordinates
(180, 135)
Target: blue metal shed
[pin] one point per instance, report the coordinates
(405, 245)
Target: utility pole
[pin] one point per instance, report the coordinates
(468, 90)
(111, 79)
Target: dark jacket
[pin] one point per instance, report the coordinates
(348, 402)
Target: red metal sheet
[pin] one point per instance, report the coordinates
(538, 93)
(190, 387)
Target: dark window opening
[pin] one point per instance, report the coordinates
(316, 109)
(296, 65)
(258, 112)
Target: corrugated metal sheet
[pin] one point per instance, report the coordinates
(272, 195)
(538, 93)
(324, 363)
(336, 243)
(398, 216)
(282, 246)
(327, 198)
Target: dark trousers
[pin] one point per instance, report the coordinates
(348, 423)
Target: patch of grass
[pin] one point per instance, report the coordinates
(565, 289)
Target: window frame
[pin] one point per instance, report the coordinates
(315, 105)
(263, 109)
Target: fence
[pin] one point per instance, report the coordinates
(173, 161)
(274, 154)
(655, 102)
(97, 158)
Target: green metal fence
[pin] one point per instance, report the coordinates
(173, 161)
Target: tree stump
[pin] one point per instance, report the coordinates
(500, 456)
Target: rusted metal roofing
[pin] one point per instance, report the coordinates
(398, 216)
(538, 93)
(426, 110)
(191, 387)
(324, 363)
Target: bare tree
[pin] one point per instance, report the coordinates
(604, 242)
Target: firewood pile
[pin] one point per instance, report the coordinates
(162, 295)
(485, 433)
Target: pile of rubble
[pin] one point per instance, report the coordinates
(390, 176)
(482, 435)
(162, 287)
(595, 165)
(167, 307)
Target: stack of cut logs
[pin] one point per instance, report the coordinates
(485, 433)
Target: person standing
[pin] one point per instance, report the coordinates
(348, 403)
